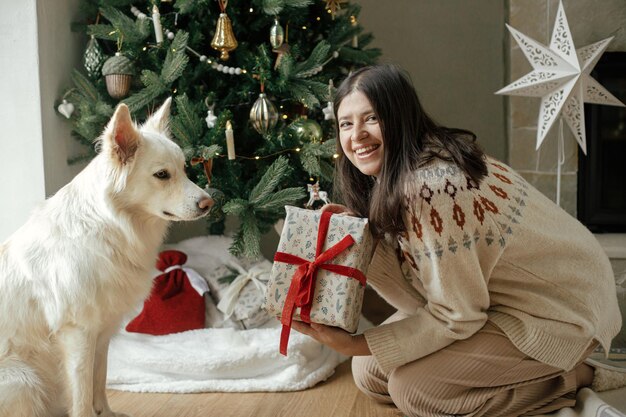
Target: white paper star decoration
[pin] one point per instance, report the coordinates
(561, 78)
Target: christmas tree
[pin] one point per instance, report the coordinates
(252, 84)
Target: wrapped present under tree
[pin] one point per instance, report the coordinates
(319, 270)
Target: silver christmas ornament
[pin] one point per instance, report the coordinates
(93, 58)
(263, 114)
(277, 34)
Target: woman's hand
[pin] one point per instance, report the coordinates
(337, 209)
(335, 338)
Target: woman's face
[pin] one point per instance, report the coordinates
(359, 133)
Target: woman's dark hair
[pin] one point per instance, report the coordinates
(411, 138)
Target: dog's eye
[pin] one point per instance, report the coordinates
(162, 174)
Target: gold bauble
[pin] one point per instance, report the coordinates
(306, 130)
(224, 39)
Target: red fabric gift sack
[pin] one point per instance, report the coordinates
(173, 305)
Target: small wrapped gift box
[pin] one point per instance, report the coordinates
(243, 297)
(319, 270)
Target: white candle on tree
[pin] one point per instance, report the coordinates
(230, 140)
(156, 20)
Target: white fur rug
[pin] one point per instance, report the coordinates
(217, 359)
(210, 360)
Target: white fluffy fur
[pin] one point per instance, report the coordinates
(81, 262)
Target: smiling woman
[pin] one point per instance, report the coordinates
(487, 275)
(359, 133)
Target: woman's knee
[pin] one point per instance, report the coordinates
(369, 378)
(418, 393)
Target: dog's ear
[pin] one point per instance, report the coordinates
(124, 137)
(160, 119)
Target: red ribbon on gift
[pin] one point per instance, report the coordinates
(302, 286)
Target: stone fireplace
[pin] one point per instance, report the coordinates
(589, 21)
(601, 173)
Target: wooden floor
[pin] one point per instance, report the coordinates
(336, 397)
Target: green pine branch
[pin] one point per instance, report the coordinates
(176, 59)
(275, 7)
(186, 125)
(272, 177)
(130, 30)
(312, 157)
(312, 64)
(263, 200)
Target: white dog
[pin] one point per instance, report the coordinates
(81, 262)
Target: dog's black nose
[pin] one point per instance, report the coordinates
(206, 203)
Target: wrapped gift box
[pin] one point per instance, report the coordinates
(322, 259)
(244, 296)
(238, 290)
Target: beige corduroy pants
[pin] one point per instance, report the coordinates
(484, 375)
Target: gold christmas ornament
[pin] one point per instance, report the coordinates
(333, 5)
(306, 130)
(224, 38)
(263, 114)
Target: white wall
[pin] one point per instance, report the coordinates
(60, 51)
(21, 153)
(37, 53)
(454, 51)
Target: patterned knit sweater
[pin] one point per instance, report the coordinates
(498, 251)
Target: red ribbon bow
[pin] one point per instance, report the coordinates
(302, 286)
